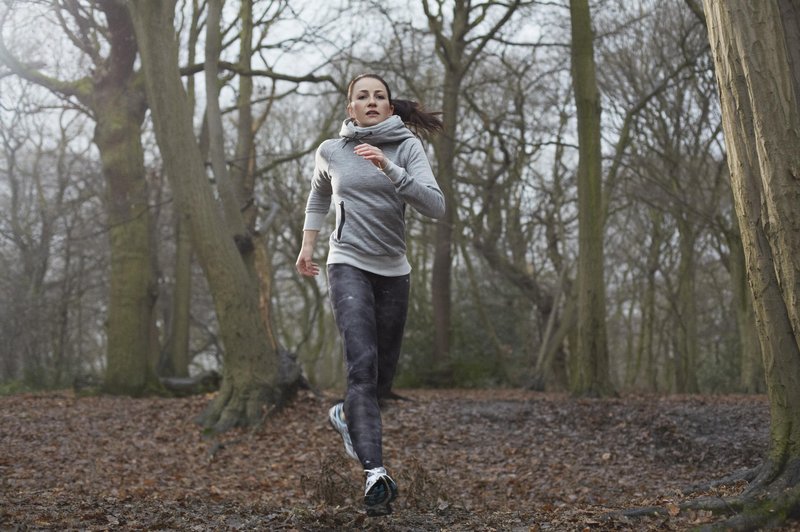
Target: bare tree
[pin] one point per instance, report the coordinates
(461, 37)
(589, 370)
(251, 377)
(54, 266)
(756, 49)
(665, 189)
(112, 94)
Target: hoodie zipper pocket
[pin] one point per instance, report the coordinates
(341, 221)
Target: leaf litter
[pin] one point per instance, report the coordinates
(463, 459)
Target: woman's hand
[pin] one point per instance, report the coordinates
(372, 154)
(305, 264)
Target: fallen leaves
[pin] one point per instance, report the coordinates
(464, 460)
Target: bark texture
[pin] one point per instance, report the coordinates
(177, 357)
(251, 370)
(752, 368)
(762, 124)
(115, 97)
(589, 370)
(119, 105)
(757, 76)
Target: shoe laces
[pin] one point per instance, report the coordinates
(373, 475)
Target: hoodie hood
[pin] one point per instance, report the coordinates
(390, 130)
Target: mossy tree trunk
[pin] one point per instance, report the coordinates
(177, 357)
(119, 103)
(243, 172)
(589, 372)
(132, 279)
(756, 50)
(116, 99)
(250, 379)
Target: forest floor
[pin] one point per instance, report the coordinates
(507, 460)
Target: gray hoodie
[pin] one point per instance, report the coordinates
(370, 203)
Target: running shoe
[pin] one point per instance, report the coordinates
(336, 418)
(381, 490)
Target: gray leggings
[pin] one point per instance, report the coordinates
(370, 311)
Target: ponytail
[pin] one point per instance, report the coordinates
(413, 114)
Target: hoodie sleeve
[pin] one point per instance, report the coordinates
(319, 198)
(415, 183)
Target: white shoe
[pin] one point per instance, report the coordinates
(336, 418)
(380, 491)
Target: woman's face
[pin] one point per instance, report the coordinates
(369, 102)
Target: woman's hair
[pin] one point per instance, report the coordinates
(411, 113)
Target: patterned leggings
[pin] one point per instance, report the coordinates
(370, 311)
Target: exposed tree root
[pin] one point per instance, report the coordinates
(248, 404)
(771, 508)
(236, 406)
(747, 475)
(768, 501)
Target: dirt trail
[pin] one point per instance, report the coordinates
(464, 460)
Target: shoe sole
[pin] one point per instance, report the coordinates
(379, 512)
(382, 507)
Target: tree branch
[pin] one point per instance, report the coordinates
(489, 36)
(630, 115)
(84, 40)
(266, 73)
(697, 9)
(80, 89)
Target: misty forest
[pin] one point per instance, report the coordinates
(603, 330)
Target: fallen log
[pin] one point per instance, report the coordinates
(205, 382)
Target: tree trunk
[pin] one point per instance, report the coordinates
(644, 371)
(243, 167)
(251, 370)
(229, 197)
(549, 361)
(177, 356)
(589, 371)
(687, 340)
(132, 292)
(752, 369)
(177, 353)
(119, 106)
(243, 176)
(451, 50)
(755, 45)
(457, 52)
(441, 283)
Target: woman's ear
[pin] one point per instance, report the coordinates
(350, 111)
